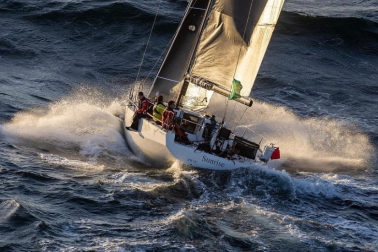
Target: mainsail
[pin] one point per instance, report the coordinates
(234, 42)
(169, 79)
(218, 43)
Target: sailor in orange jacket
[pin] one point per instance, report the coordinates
(168, 115)
(141, 111)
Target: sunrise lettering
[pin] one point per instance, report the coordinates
(213, 162)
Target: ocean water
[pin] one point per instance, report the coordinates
(68, 181)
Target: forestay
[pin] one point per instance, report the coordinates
(234, 41)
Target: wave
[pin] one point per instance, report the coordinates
(13, 6)
(35, 176)
(14, 213)
(292, 22)
(113, 12)
(351, 31)
(8, 109)
(8, 48)
(8, 208)
(72, 164)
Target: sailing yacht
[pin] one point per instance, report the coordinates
(217, 51)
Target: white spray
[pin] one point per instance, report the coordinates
(85, 119)
(311, 143)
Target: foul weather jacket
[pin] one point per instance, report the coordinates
(142, 106)
(168, 118)
(158, 111)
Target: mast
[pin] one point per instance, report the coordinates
(185, 83)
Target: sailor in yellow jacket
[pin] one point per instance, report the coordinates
(159, 110)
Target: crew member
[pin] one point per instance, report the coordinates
(180, 136)
(159, 110)
(168, 115)
(141, 111)
(151, 105)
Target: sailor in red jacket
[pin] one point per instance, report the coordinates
(141, 111)
(168, 115)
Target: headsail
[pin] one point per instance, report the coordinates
(234, 42)
(170, 76)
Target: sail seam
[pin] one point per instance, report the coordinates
(194, 8)
(167, 79)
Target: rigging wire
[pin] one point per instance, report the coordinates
(241, 45)
(240, 118)
(158, 60)
(165, 49)
(251, 130)
(148, 41)
(232, 113)
(245, 30)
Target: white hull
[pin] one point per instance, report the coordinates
(149, 142)
(156, 146)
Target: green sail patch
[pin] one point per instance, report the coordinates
(236, 88)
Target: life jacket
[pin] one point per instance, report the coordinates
(168, 118)
(158, 111)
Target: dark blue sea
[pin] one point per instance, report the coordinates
(68, 181)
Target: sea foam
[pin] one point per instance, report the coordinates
(312, 143)
(84, 119)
